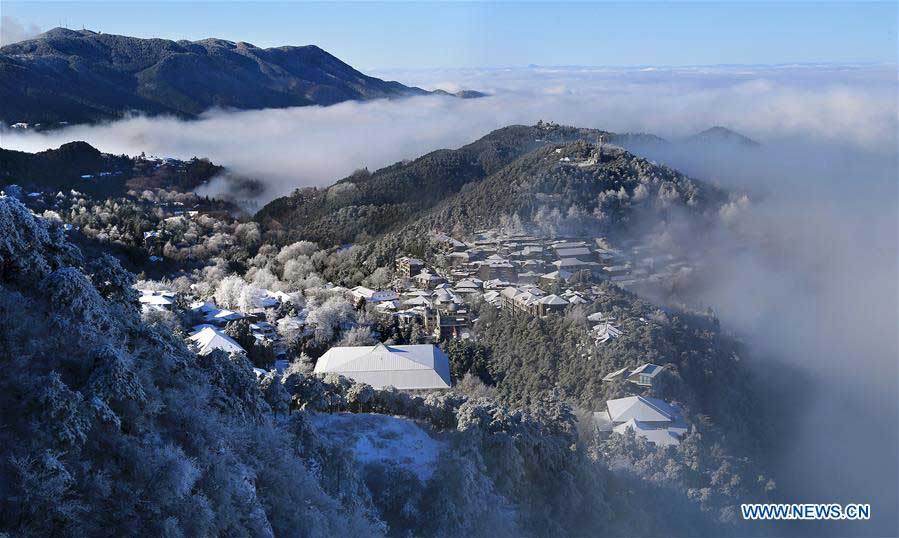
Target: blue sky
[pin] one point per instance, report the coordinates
(378, 35)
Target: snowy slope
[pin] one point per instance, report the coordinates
(382, 439)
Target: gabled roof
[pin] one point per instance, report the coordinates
(557, 275)
(641, 408)
(228, 315)
(490, 295)
(417, 301)
(411, 261)
(553, 300)
(403, 367)
(210, 339)
(419, 293)
(571, 262)
(649, 369)
(617, 374)
(655, 435)
(362, 291)
(573, 252)
(158, 300)
(203, 306)
(510, 292)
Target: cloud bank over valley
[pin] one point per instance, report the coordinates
(295, 147)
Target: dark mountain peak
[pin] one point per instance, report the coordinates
(61, 32)
(461, 94)
(74, 149)
(213, 42)
(722, 134)
(78, 76)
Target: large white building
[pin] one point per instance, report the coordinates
(655, 420)
(416, 367)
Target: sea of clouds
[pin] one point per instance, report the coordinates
(289, 148)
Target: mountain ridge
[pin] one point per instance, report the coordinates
(80, 76)
(515, 170)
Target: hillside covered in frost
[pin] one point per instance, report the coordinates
(113, 426)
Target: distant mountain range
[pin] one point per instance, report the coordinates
(83, 76)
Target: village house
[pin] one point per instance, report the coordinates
(551, 304)
(538, 266)
(361, 295)
(613, 271)
(210, 339)
(427, 280)
(449, 244)
(519, 300)
(528, 277)
(409, 267)
(451, 320)
(645, 375)
(531, 301)
(583, 253)
(496, 266)
(605, 331)
(655, 420)
(575, 297)
(458, 259)
(468, 287)
(555, 277)
(573, 265)
(610, 257)
(413, 367)
(157, 300)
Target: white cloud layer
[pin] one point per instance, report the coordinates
(288, 148)
(12, 30)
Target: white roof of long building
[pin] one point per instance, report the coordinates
(159, 300)
(641, 408)
(403, 367)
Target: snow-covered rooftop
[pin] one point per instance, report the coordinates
(404, 367)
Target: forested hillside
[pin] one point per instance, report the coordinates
(113, 426)
(559, 189)
(368, 204)
(79, 166)
(547, 176)
(522, 359)
(83, 76)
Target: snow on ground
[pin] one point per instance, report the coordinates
(381, 438)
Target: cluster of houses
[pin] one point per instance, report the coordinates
(549, 262)
(518, 273)
(521, 274)
(411, 367)
(439, 306)
(208, 332)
